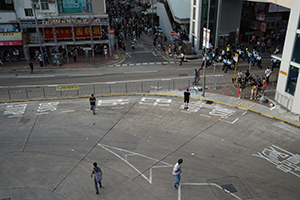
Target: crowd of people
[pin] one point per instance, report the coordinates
(7, 56)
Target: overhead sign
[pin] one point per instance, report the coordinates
(11, 43)
(206, 36)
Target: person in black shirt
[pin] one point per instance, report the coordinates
(187, 97)
(31, 66)
(93, 103)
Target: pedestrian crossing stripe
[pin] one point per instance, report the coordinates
(246, 104)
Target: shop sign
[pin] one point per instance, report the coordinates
(70, 21)
(11, 43)
(66, 32)
(11, 36)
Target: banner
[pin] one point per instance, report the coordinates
(66, 32)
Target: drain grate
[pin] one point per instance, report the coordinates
(182, 74)
(229, 188)
(209, 102)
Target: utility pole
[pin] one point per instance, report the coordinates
(38, 32)
(206, 41)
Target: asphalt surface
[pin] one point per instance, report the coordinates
(48, 147)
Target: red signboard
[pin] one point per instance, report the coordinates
(11, 43)
(111, 31)
(172, 33)
(66, 32)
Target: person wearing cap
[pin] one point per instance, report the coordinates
(97, 172)
(93, 103)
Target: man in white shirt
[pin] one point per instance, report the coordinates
(177, 172)
(267, 74)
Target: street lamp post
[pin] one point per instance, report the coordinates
(152, 20)
(38, 32)
(207, 25)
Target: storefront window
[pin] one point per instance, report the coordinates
(292, 80)
(296, 53)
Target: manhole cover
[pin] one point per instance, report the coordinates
(229, 188)
(209, 102)
(182, 74)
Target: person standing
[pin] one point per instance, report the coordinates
(195, 76)
(74, 55)
(97, 176)
(105, 51)
(177, 172)
(40, 59)
(31, 66)
(93, 103)
(242, 87)
(267, 74)
(187, 97)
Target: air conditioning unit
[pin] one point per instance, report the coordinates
(36, 6)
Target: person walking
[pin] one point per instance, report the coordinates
(97, 172)
(31, 66)
(177, 172)
(182, 58)
(195, 76)
(187, 97)
(93, 103)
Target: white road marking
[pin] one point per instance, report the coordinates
(43, 113)
(113, 102)
(45, 107)
(66, 111)
(48, 76)
(158, 63)
(230, 121)
(135, 154)
(15, 110)
(205, 116)
(138, 72)
(283, 159)
(116, 108)
(244, 113)
(85, 75)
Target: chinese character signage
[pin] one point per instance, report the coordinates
(66, 32)
(71, 21)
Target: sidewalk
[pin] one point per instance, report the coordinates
(83, 62)
(225, 95)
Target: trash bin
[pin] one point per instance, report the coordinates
(57, 59)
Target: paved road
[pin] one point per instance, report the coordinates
(48, 147)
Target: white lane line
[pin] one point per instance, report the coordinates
(43, 113)
(143, 107)
(137, 72)
(85, 75)
(186, 112)
(205, 116)
(168, 79)
(50, 76)
(158, 63)
(11, 116)
(116, 108)
(244, 113)
(52, 85)
(66, 111)
(229, 121)
(110, 83)
(145, 63)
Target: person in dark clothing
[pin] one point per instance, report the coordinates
(187, 97)
(31, 66)
(93, 103)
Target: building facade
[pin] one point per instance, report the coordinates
(288, 86)
(53, 25)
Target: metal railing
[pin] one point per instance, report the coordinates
(67, 90)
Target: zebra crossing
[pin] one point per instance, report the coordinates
(144, 63)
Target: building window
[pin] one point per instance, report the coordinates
(296, 53)
(28, 12)
(292, 80)
(74, 6)
(45, 4)
(6, 5)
